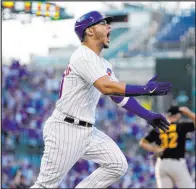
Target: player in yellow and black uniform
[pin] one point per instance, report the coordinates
(169, 147)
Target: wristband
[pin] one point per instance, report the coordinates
(135, 90)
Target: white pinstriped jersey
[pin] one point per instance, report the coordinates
(79, 97)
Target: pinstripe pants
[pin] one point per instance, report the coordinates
(66, 143)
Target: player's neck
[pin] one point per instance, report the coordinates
(94, 46)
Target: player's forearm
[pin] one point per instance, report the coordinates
(113, 88)
(122, 89)
(108, 87)
(187, 112)
(132, 106)
(191, 115)
(148, 147)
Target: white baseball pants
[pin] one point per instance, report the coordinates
(172, 171)
(66, 143)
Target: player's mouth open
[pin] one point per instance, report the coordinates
(108, 36)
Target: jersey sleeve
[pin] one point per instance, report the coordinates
(151, 136)
(113, 77)
(187, 126)
(89, 66)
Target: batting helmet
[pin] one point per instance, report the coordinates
(87, 20)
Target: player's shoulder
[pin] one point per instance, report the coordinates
(76, 57)
(109, 64)
(83, 53)
(77, 53)
(183, 123)
(185, 126)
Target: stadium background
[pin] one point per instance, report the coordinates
(147, 38)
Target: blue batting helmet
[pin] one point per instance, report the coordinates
(87, 20)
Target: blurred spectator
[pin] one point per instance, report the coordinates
(20, 180)
(182, 98)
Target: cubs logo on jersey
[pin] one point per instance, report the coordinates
(109, 71)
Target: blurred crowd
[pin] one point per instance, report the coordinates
(28, 99)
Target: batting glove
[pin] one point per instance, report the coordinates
(157, 88)
(158, 121)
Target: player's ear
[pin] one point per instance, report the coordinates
(89, 31)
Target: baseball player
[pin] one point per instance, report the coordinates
(69, 134)
(170, 167)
